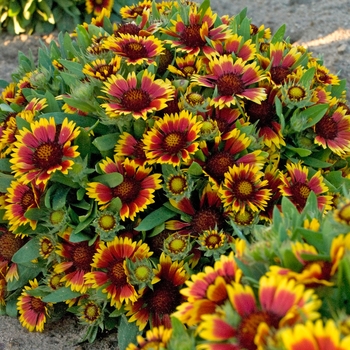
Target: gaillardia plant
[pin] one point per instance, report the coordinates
(181, 178)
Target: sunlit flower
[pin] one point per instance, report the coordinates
(96, 6)
(186, 66)
(233, 44)
(231, 80)
(47, 148)
(33, 311)
(208, 289)
(157, 338)
(128, 146)
(322, 74)
(77, 260)
(314, 336)
(135, 10)
(280, 61)
(102, 69)
(342, 213)
(206, 215)
(243, 186)
(228, 150)
(155, 305)
(333, 131)
(135, 49)
(19, 200)
(191, 34)
(136, 191)
(136, 96)
(280, 303)
(266, 119)
(110, 272)
(297, 186)
(172, 139)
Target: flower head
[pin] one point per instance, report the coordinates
(172, 140)
(43, 150)
(33, 311)
(137, 95)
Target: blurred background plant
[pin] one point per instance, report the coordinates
(42, 17)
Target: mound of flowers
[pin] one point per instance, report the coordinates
(181, 178)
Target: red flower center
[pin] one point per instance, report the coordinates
(217, 165)
(191, 36)
(128, 190)
(278, 74)
(188, 70)
(82, 256)
(37, 305)
(47, 155)
(243, 190)
(174, 142)
(9, 244)
(27, 200)
(164, 298)
(262, 113)
(135, 50)
(249, 325)
(128, 28)
(117, 274)
(229, 84)
(137, 11)
(206, 219)
(300, 192)
(327, 128)
(135, 99)
(104, 70)
(164, 61)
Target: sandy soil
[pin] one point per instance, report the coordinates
(323, 26)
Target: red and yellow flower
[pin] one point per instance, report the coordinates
(173, 139)
(135, 191)
(333, 131)
(155, 305)
(43, 150)
(96, 6)
(20, 198)
(110, 272)
(208, 289)
(102, 69)
(77, 260)
(314, 336)
(191, 34)
(33, 311)
(231, 80)
(280, 303)
(137, 95)
(134, 49)
(297, 187)
(243, 187)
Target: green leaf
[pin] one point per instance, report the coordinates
(127, 333)
(307, 77)
(316, 163)
(195, 169)
(279, 34)
(5, 165)
(156, 218)
(302, 152)
(34, 214)
(5, 182)
(11, 307)
(313, 114)
(60, 295)
(28, 252)
(110, 180)
(106, 142)
(180, 338)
